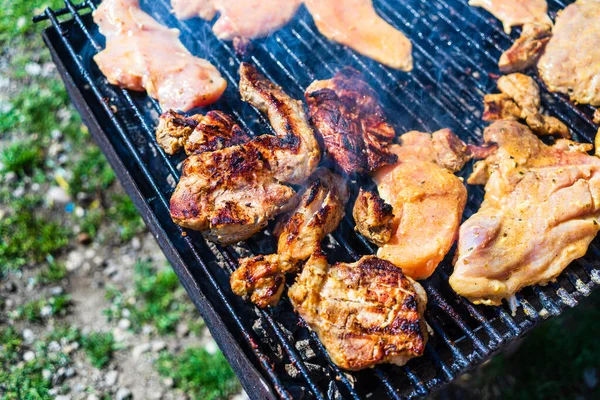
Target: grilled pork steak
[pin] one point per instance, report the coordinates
(232, 192)
(427, 200)
(142, 54)
(527, 49)
(571, 62)
(348, 118)
(520, 100)
(319, 212)
(354, 23)
(364, 313)
(516, 12)
(373, 217)
(540, 212)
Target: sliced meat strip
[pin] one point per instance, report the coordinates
(373, 217)
(527, 49)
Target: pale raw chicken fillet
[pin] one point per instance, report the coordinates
(142, 54)
(516, 12)
(185, 9)
(571, 62)
(354, 23)
(427, 200)
(540, 212)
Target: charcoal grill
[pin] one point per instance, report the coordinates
(274, 355)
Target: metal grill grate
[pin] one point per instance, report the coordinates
(455, 49)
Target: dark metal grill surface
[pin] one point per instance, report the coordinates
(456, 48)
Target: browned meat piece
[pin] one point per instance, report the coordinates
(174, 129)
(347, 116)
(540, 212)
(373, 217)
(215, 131)
(597, 117)
(427, 200)
(571, 62)
(231, 193)
(300, 234)
(516, 12)
(355, 23)
(527, 49)
(142, 54)
(364, 313)
(520, 99)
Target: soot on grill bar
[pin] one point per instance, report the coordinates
(364, 199)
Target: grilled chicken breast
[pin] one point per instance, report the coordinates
(350, 122)
(197, 133)
(142, 54)
(364, 313)
(231, 193)
(516, 12)
(318, 213)
(527, 49)
(185, 9)
(520, 100)
(571, 62)
(540, 212)
(427, 200)
(354, 23)
(373, 217)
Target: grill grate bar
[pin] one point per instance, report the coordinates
(50, 15)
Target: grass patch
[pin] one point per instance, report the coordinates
(99, 348)
(53, 272)
(37, 310)
(21, 158)
(199, 374)
(91, 173)
(126, 217)
(26, 238)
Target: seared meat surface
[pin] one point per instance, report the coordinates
(364, 313)
(198, 133)
(318, 213)
(373, 217)
(231, 193)
(540, 212)
(527, 49)
(354, 23)
(571, 62)
(427, 200)
(142, 54)
(350, 122)
(520, 99)
(516, 12)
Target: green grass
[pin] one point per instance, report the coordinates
(51, 273)
(124, 214)
(21, 158)
(91, 173)
(199, 374)
(26, 238)
(32, 310)
(159, 300)
(25, 380)
(99, 348)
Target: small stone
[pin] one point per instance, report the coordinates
(62, 397)
(241, 396)
(53, 346)
(33, 69)
(79, 211)
(28, 336)
(84, 238)
(74, 260)
(126, 313)
(56, 291)
(71, 347)
(211, 347)
(98, 260)
(140, 349)
(90, 253)
(19, 192)
(110, 270)
(57, 195)
(46, 311)
(10, 286)
(158, 345)
(53, 391)
(168, 382)
(147, 329)
(124, 324)
(92, 396)
(56, 134)
(35, 187)
(111, 377)
(70, 372)
(123, 394)
(46, 374)
(10, 177)
(136, 243)
(182, 329)
(28, 356)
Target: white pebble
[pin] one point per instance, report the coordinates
(46, 374)
(62, 397)
(111, 377)
(123, 394)
(46, 311)
(211, 347)
(124, 324)
(28, 356)
(158, 345)
(140, 349)
(28, 336)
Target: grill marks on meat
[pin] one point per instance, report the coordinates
(520, 100)
(373, 217)
(571, 62)
(427, 200)
(350, 122)
(540, 212)
(142, 54)
(516, 12)
(527, 49)
(232, 192)
(197, 133)
(319, 212)
(246, 19)
(354, 23)
(364, 313)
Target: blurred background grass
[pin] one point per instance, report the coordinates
(58, 192)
